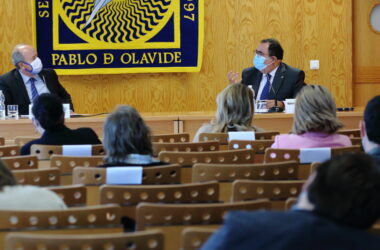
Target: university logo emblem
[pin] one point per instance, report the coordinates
(119, 36)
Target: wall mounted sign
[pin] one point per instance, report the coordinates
(77, 37)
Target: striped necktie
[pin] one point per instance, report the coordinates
(265, 92)
(33, 88)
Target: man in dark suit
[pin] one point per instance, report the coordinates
(270, 78)
(339, 203)
(22, 85)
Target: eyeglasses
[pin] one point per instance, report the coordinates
(261, 53)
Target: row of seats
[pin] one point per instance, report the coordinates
(158, 206)
(192, 238)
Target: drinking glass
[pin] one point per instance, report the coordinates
(261, 106)
(12, 111)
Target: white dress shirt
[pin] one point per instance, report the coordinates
(39, 83)
(264, 81)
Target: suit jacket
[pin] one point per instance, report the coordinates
(15, 92)
(295, 229)
(286, 83)
(64, 136)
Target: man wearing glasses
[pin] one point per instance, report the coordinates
(270, 78)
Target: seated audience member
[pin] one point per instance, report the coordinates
(49, 121)
(315, 122)
(339, 203)
(127, 139)
(25, 197)
(234, 112)
(370, 129)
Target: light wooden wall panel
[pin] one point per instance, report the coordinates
(365, 92)
(308, 29)
(366, 54)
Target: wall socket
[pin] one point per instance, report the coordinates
(314, 64)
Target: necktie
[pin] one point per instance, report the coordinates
(265, 92)
(33, 88)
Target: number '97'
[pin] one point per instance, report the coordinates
(189, 7)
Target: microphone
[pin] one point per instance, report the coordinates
(275, 108)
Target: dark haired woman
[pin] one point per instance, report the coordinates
(127, 139)
(49, 121)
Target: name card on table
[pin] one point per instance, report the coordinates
(66, 110)
(124, 175)
(242, 136)
(309, 155)
(77, 150)
(290, 105)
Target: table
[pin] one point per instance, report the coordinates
(190, 122)
(171, 123)
(160, 123)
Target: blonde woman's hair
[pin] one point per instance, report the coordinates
(125, 132)
(235, 109)
(315, 111)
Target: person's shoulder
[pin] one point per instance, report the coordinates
(27, 189)
(249, 70)
(287, 136)
(287, 141)
(9, 75)
(84, 130)
(246, 217)
(88, 133)
(25, 149)
(291, 69)
(47, 70)
(344, 139)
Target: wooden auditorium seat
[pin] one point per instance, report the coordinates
(222, 138)
(44, 152)
(225, 174)
(194, 238)
(185, 146)
(350, 132)
(188, 159)
(259, 146)
(22, 140)
(73, 195)
(356, 141)
(172, 218)
(290, 202)
(95, 219)
(21, 162)
(184, 137)
(276, 191)
(94, 177)
(278, 155)
(129, 196)
(66, 164)
(9, 151)
(153, 240)
(38, 177)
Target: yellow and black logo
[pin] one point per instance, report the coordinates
(117, 36)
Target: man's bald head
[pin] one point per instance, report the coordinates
(23, 53)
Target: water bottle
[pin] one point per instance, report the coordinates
(2, 106)
(253, 92)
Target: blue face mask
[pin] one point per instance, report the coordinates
(258, 62)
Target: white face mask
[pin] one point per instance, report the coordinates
(36, 66)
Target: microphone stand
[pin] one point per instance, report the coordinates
(275, 108)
